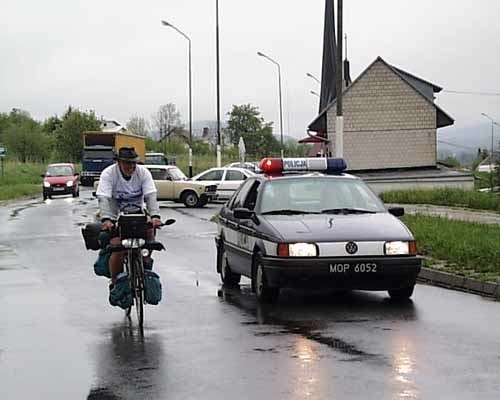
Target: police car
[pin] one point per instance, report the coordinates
(317, 227)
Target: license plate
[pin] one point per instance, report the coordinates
(58, 189)
(358, 268)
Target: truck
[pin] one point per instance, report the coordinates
(100, 148)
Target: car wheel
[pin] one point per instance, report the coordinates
(227, 276)
(401, 294)
(44, 196)
(190, 199)
(264, 293)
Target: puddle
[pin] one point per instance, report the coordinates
(15, 213)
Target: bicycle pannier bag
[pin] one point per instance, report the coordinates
(152, 287)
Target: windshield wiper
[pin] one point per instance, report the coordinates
(347, 211)
(287, 212)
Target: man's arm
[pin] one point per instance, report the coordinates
(108, 208)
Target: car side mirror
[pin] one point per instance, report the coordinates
(42, 175)
(243, 213)
(397, 211)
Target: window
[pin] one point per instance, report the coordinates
(159, 174)
(214, 175)
(59, 170)
(232, 175)
(240, 196)
(251, 199)
(316, 195)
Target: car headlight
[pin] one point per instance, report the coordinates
(46, 184)
(69, 183)
(400, 248)
(297, 250)
(133, 243)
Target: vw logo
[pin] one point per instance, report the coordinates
(351, 248)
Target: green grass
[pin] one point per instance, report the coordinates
(463, 248)
(20, 180)
(445, 197)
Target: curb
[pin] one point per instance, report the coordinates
(450, 281)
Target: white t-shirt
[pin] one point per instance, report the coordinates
(113, 185)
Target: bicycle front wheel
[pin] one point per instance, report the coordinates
(138, 287)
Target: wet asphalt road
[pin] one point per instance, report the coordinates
(59, 339)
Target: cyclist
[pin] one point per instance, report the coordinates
(125, 183)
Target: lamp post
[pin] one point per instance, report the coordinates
(165, 23)
(219, 155)
(279, 85)
(493, 123)
(313, 77)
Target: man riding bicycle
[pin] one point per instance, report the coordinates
(125, 183)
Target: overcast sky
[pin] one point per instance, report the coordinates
(115, 57)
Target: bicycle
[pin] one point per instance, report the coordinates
(132, 228)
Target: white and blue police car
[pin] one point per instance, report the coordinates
(305, 223)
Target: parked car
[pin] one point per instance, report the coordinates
(325, 229)
(252, 166)
(60, 179)
(172, 184)
(227, 179)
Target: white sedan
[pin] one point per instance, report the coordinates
(227, 179)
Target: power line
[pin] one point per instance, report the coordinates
(472, 93)
(458, 145)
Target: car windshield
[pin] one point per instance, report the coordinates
(327, 195)
(177, 174)
(59, 170)
(155, 159)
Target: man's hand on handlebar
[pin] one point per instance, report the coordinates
(156, 222)
(107, 225)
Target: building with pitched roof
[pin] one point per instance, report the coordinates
(390, 120)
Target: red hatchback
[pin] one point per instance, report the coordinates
(61, 179)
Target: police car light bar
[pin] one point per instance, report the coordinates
(279, 165)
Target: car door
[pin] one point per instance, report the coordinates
(163, 183)
(236, 243)
(231, 182)
(247, 228)
(213, 176)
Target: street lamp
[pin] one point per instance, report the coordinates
(314, 93)
(165, 23)
(493, 123)
(313, 77)
(279, 85)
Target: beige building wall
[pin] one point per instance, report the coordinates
(387, 123)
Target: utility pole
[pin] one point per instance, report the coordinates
(339, 123)
(219, 144)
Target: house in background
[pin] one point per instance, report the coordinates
(112, 126)
(485, 165)
(390, 130)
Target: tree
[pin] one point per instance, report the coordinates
(24, 137)
(138, 125)
(69, 140)
(244, 120)
(166, 120)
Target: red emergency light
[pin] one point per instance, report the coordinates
(272, 166)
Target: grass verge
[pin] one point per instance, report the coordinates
(20, 180)
(445, 197)
(469, 249)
